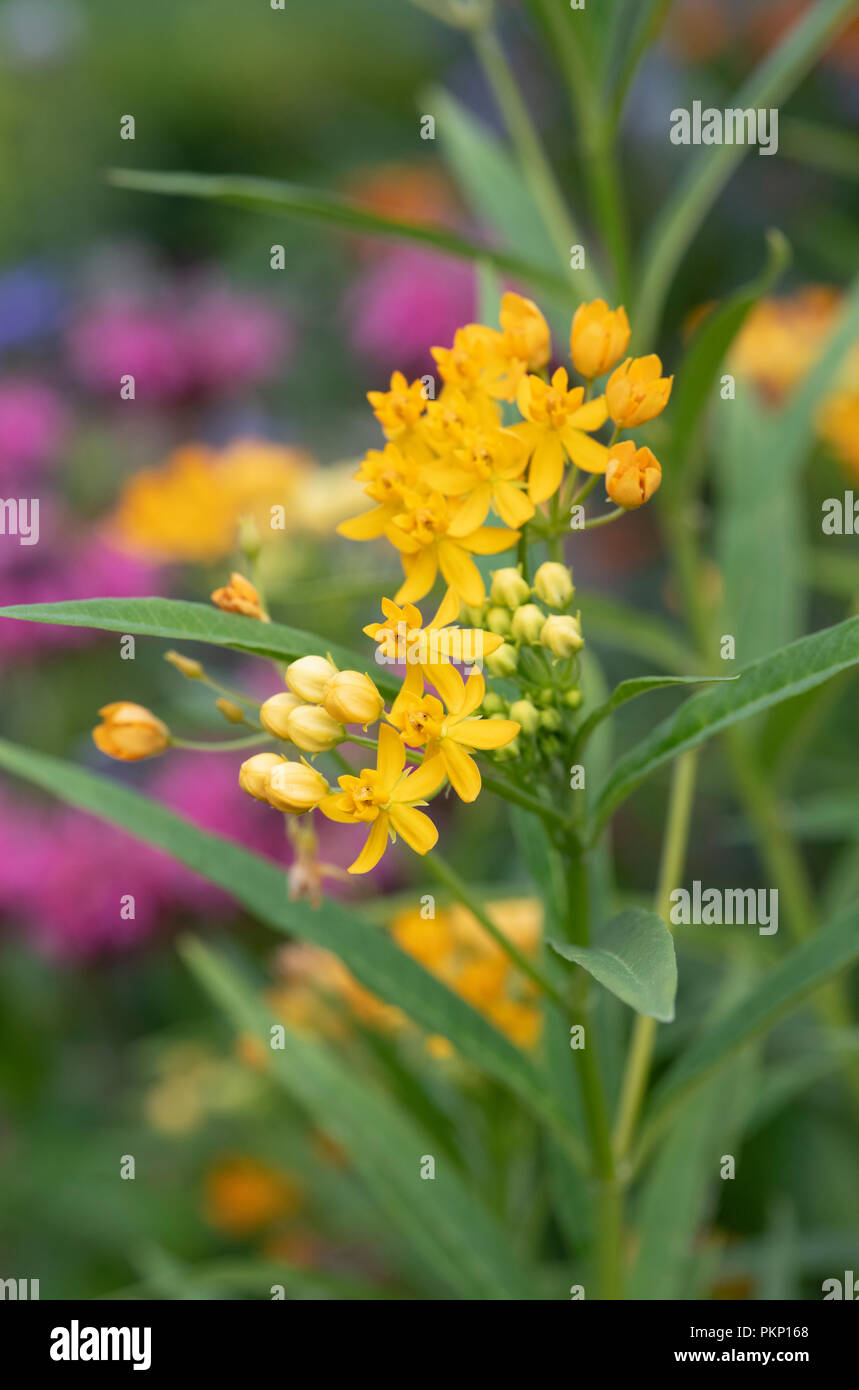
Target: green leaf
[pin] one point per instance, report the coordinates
(442, 1220)
(710, 169)
(801, 666)
(633, 956)
(179, 621)
(322, 208)
(822, 147)
(259, 886)
(784, 987)
(630, 690)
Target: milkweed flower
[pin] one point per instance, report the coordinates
(561, 634)
(486, 468)
(632, 475)
(275, 711)
(311, 728)
(598, 338)
(451, 736)
(637, 391)
(308, 676)
(352, 698)
(403, 638)
(295, 787)
(254, 774)
(421, 532)
(385, 798)
(556, 420)
(240, 596)
(130, 732)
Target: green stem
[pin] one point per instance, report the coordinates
(640, 1055)
(225, 746)
(604, 520)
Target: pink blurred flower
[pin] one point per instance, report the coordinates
(234, 341)
(406, 303)
(120, 337)
(33, 424)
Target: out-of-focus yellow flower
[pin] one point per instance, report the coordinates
(311, 728)
(399, 409)
(254, 774)
(428, 939)
(782, 338)
(483, 472)
(244, 1195)
(521, 1023)
(838, 424)
(598, 338)
(556, 421)
(632, 476)
(637, 391)
(553, 584)
(561, 634)
(386, 474)
(308, 676)
(240, 596)
(451, 736)
(524, 331)
(384, 798)
(130, 732)
(352, 698)
(481, 982)
(477, 364)
(295, 787)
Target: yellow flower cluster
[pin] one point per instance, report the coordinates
(449, 462)
(319, 994)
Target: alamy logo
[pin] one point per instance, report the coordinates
(713, 907)
(76, 1343)
(435, 646)
(710, 126)
(18, 1289)
(19, 516)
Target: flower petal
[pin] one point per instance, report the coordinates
(590, 416)
(421, 570)
(392, 756)
(462, 770)
(484, 733)
(461, 572)
(547, 468)
(585, 452)
(490, 540)
(415, 827)
(471, 513)
(374, 847)
(367, 526)
(512, 505)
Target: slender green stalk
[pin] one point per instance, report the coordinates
(225, 745)
(640, 1055)
(604, 520)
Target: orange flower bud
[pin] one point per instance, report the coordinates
(190, 668)
(240, 596)
(632, 475)
(130, 732)
(254, 773)
(233, 713)
(636, 391)
(525, 331)
(352, 698)
(598, 338)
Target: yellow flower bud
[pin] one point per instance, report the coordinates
(527, 623)
(509, 589)
(231, 711)
(553, 584)
(275, 711)
(636, 391)
(562, 635)
(311, 728)
(498, 621)
(240, 596)
(525, 714)
(352, 698)
(192, 669)
(254, 772)
(598, 338)
(295, 787)
(308, 677)
(632, 475)
(502, 662)
(130, 732)
(525, 331)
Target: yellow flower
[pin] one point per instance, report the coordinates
(421, 533)
(561, 634)
(556, 419)
(632, 476)
(386, 475)
(384, 798)
(427, 939)
(311, 728)
(295, 787)
(637, 391)
(130, 732)
(525, 332)
(838, 424)
(240, 596)
(275, 711)
(399, 409)
(403, 638)
(477, 364)
(450, 737)
(352, 698)
(598, 338)
(308, 676)
(244, 1195)
(485, 470)
(450, 419)
(254, 774)
(782, 338)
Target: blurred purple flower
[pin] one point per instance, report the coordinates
(33, 424)
(406, 303)
(30, 306)
(120, 337)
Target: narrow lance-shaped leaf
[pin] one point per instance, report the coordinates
(633, 956)
(630, 690)
(798, 667)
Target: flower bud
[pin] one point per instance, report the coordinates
(352, 698)
(253, 774)
(525, 330)
(232, 712)
(553, 584)
(572, 698)
(308, 677)
(295, 787)
(527, 623)
(503, 662)
(240, 596)
(632, 475)
(550, 719)
(312, 729)
(494, 704)
(498, 621)
(129, 732)
(525, 714)
(636, 391)
(598, 338)
(562, 635)
(275, 710)
(509, 589)
(190, 668)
